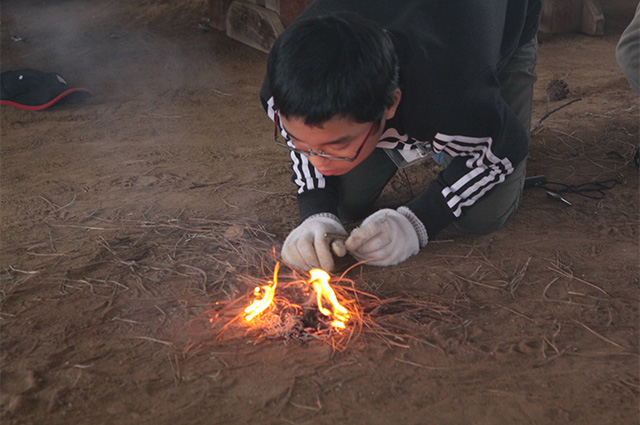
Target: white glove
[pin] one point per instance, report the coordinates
(387, 237)
(310, 244)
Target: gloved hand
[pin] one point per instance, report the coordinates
(310, 245)
(387, 237)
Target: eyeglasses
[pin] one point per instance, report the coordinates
(311, 152)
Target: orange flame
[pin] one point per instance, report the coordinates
(259, 305)
(324, 296)
(320, 281)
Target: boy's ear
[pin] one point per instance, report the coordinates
(391, 110)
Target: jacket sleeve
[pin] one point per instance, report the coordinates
(486, 142)
(628, 52)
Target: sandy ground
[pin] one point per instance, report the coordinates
(127, 217)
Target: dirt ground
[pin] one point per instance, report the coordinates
(125, 218)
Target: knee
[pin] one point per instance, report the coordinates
(485, 223)
(496, 209)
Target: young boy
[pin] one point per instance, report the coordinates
(358, 88)
(628, 52)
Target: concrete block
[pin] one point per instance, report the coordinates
(218, 13)
(592, 18)
(560, 16)
(253, 25)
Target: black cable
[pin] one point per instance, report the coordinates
(591, 190)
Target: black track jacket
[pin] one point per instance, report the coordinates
(450, 52)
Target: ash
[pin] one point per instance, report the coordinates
(296, 324)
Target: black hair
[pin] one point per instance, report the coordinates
(339, 65)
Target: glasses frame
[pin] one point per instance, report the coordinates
(311, 152)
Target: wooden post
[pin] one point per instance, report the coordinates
(560, 16)
(592, 18)
(253, 25)
(218, 13)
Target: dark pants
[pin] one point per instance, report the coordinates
(360, 188)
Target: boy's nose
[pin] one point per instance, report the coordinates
(318, 161)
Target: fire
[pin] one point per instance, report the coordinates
(259, 305)
(320, 281)
(326, 299)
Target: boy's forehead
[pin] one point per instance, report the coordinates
(336, 121)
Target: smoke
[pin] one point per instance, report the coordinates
(109, 46)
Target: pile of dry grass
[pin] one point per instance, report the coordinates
(294, 314)
(209, 268)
